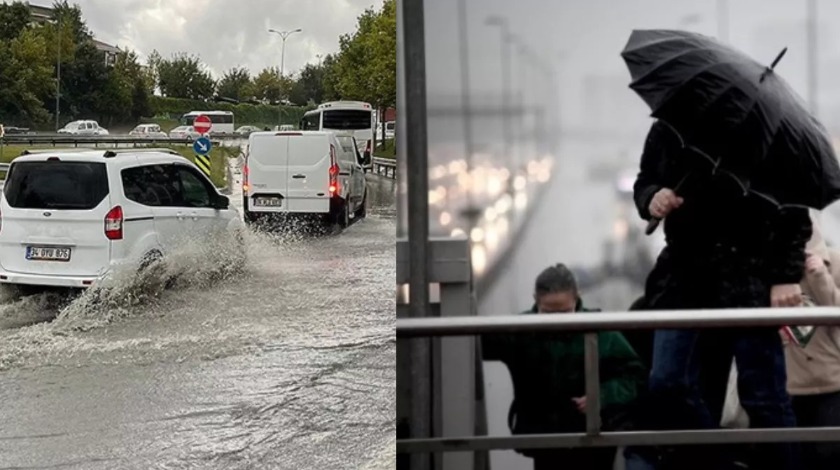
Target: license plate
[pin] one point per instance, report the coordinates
(47, 253)
(267, 201)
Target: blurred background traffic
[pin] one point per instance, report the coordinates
(534, 136)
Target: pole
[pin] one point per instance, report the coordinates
(413, 25)
(812, 56)
(58, 78)
(469, 148)
(283, 57)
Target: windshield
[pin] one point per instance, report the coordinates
(347, 119)
(56, 185)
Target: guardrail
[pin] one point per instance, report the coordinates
(104, 140)
(590, 324)
(386, 167)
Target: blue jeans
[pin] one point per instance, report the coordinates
(678, 359)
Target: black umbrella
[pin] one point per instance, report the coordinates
(737, 114)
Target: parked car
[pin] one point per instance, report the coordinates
(148, 130)
(314, 174)
(70, 218)
(85, 127)
(247, 130)
(184, 132)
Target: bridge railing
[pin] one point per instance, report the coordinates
(590, 324)
(386, 167)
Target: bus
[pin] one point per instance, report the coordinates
(222, 120)
(354, 116)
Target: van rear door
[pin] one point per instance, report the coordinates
(267, 172)
(53, 218)
(309, 172)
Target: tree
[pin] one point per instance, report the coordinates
(267, 85)
(330, 78)
(309, 87)
(71, 17)
(134, 89)
(151, 75)
(235, 83)
(14, 18)
(83, 81)
(25, 78)
(184, 76)
(366, 66)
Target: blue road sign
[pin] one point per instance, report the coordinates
(202, 146)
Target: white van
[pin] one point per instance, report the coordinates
(310, 173)
(67, 219)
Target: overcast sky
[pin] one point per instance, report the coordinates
(224, 33)
(590, 34)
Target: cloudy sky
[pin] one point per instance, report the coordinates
(583, 39)
(224, 33)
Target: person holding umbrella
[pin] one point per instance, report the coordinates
(731, 165)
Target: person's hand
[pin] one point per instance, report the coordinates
(580, 403)
(664, 201)
(786, 295)
(814, 264)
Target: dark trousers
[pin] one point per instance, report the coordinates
(814, 411)
(596, 458)
(675, 387)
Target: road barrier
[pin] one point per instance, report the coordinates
(386, 167)
(590, 324)
(104, 140)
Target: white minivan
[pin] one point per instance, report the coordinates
(67, 219)
(307, 173)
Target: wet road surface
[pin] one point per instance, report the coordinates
(289, 365)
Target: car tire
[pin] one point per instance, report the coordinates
(361, 211)
(344, 215)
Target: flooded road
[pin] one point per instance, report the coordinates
(289, 365)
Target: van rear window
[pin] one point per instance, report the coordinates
(56, 185)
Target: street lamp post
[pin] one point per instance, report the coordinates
(506, 91)
(58, 78)
(284, 35)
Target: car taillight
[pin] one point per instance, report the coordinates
(333, 171)
(114, 224)
(245, 176)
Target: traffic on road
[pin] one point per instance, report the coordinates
(126, 273)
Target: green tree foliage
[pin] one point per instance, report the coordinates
(25, 78)
(309, 87)
(267, 85)
(236, 84)
(14, 18)
(184, 76)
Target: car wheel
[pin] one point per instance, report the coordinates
(361, 211)
(344, 215)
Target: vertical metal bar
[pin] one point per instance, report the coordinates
(593, 383)
(506, 90)
(812, 57)
(401, 129)
(414, 48)
(465, 94)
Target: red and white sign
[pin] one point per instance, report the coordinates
(202, 124)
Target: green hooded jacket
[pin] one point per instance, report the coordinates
(548, 371)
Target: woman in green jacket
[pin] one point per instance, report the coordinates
(547, 370)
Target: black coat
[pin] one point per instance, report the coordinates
(724, 248)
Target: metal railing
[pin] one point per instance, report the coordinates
(386, 167)
(590, 324)
(103, 140)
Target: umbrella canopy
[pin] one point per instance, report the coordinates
(736, 113)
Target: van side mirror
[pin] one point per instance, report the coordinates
(221, 202)
(366, 159)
